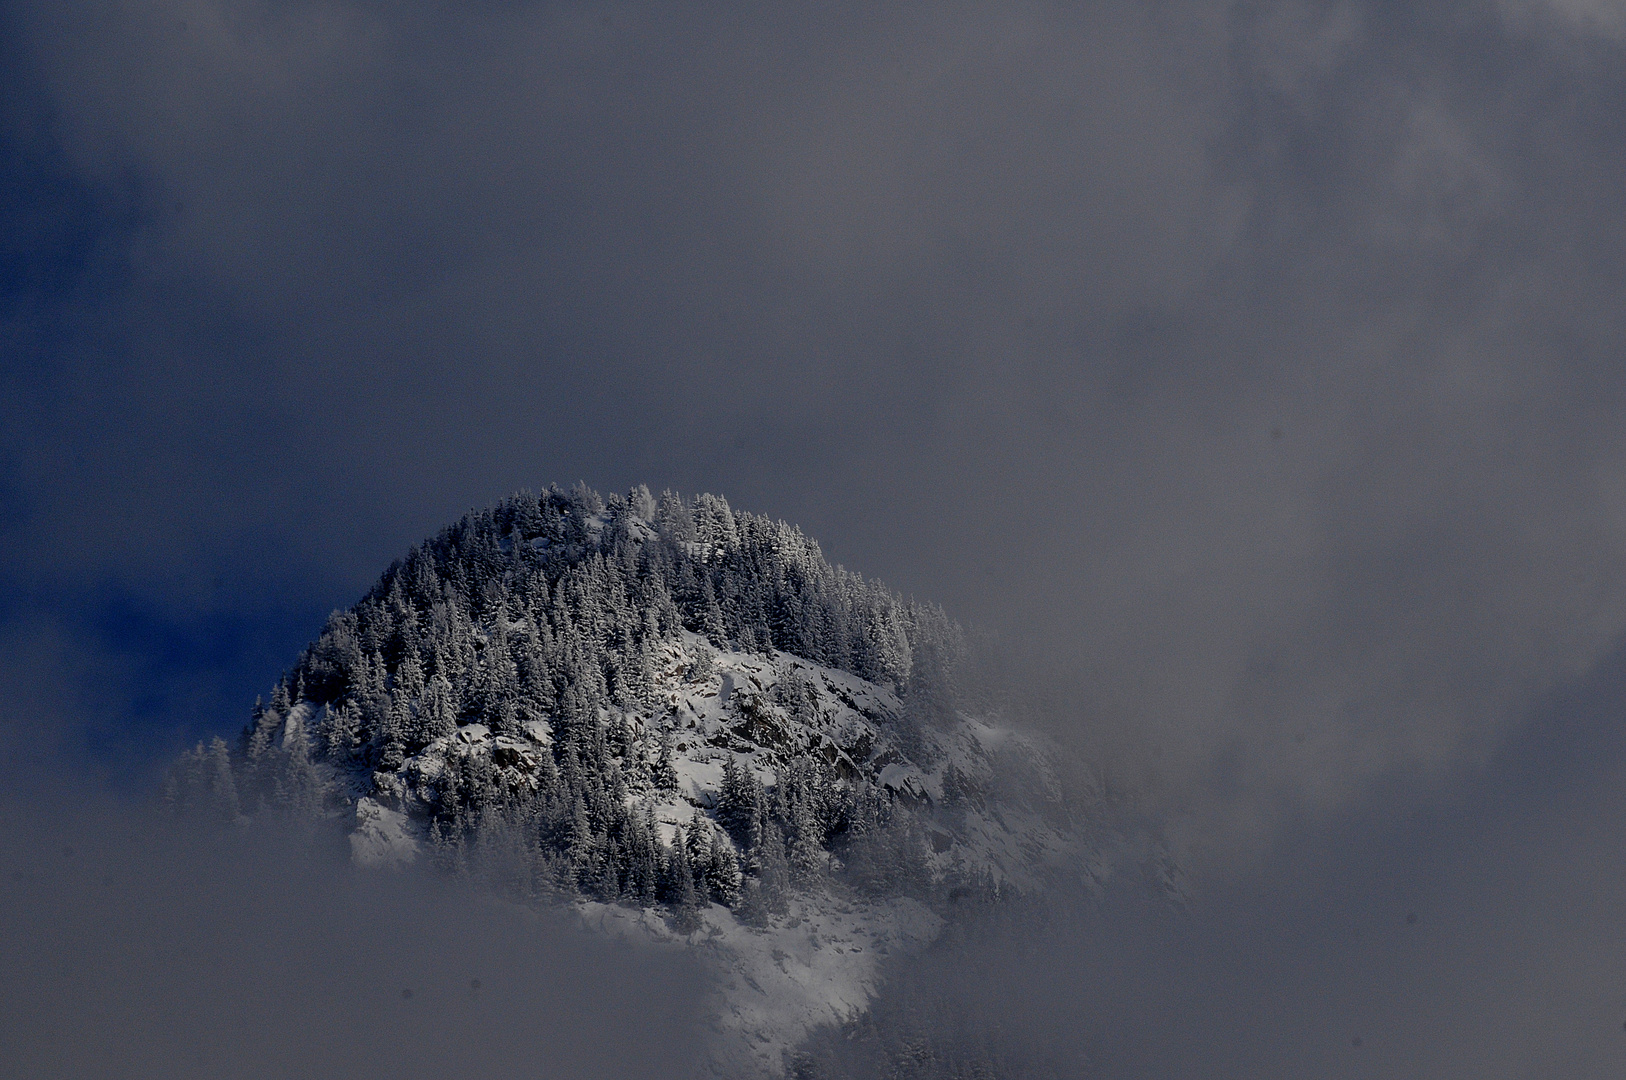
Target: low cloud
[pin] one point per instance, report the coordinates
(1251, 369)
(135, 947)
(1467, 936)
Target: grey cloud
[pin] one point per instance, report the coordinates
(1463, 936)
(1251, 363)
(1582, 18)
(1251, 368)
(135, 948)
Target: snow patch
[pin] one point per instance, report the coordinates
(383, 838)
(820, 963)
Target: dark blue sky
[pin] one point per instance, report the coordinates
(1253, 368)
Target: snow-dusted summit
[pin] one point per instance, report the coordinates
(684, 722)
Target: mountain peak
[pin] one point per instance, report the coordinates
(680, 718)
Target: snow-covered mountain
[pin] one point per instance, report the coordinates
(683, 721)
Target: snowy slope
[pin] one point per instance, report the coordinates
(550, 694)
(820, 961)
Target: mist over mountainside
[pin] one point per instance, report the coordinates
(145, 947)
(685, 721)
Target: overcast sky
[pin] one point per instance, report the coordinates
(1254, 369)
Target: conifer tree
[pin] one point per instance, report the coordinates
(805, 840)
(665, 778)
(682, 898)
(217, 772)
(737, 800)
(698, 842)
(722, 873)
(772, 869)
(752, 908)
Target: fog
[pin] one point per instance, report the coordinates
(1249, 370)
(1471, 935)
(138, 947)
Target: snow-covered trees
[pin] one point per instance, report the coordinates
(665, 776)
(540, 619)
(739, 801)
(889, 860)
(202, 782)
